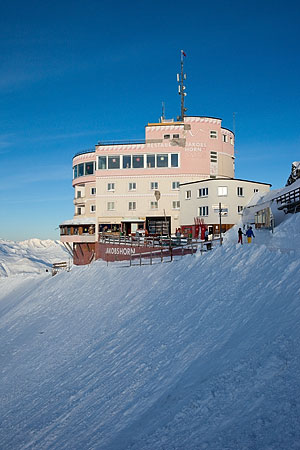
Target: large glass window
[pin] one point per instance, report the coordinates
(174, 160)
(138, 161)
(75, 171)
(150, 161)
(80, 170)
(102, 162)
(89, 168)
(113, 162)
(162, 160)
(126, 161)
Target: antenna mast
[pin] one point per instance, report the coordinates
(181, 88)
(163, 111)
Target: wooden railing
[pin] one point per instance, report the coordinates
(289, 200)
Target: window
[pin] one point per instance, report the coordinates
(132, 206)
(154, 185)
(132, 186)
(213, 157)
(110, 206)
(222, 191)
(154, 205)
(175, 136)
(174, 160)
(78, 194)
(225, 138)
(110, 186)
(138, 161)
(126, 161)
(162, 160)
(203, 192)
(231, 140)
(255, 190)
(89, 168)
(176, 205)
(213, 134)
(150, 160)
(75, 171)
(240, 209)
(102, 162)
(78, 211)
(188, 195)
(203, 211)
(80, 170)
(93, 191)
(166, 136)
(93, 208)
(113, 162)
(175, 185)
(240, 192)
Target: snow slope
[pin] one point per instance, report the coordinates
(201, 353)
(29, 257)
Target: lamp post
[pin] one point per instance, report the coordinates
(220, 217)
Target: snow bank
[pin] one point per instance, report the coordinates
(32, 256)
(201, 353)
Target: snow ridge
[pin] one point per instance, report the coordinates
(32, 256)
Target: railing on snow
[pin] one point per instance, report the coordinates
(290, 200)
(162, 249)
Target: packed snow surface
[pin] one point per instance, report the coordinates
(32, 256)
(201, 353)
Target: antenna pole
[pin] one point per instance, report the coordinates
(163, 111)
(181, 88)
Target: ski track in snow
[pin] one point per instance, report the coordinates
(201, 353)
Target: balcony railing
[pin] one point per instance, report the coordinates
(127, 142)
(82, 152)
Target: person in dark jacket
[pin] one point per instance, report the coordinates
(240, 235)
(250, 235)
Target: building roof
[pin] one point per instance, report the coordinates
(79, 221)
(225, 179)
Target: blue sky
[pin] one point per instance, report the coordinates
(75, 72)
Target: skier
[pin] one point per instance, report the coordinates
(249, 234)
(240, 235)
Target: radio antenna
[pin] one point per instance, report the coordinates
(181, 77)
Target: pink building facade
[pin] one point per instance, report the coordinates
(126, 187)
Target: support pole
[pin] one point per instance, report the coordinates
(220, 216)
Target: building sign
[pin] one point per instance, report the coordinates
(120, 251)
(224, 209)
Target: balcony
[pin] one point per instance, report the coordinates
(79, 201)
